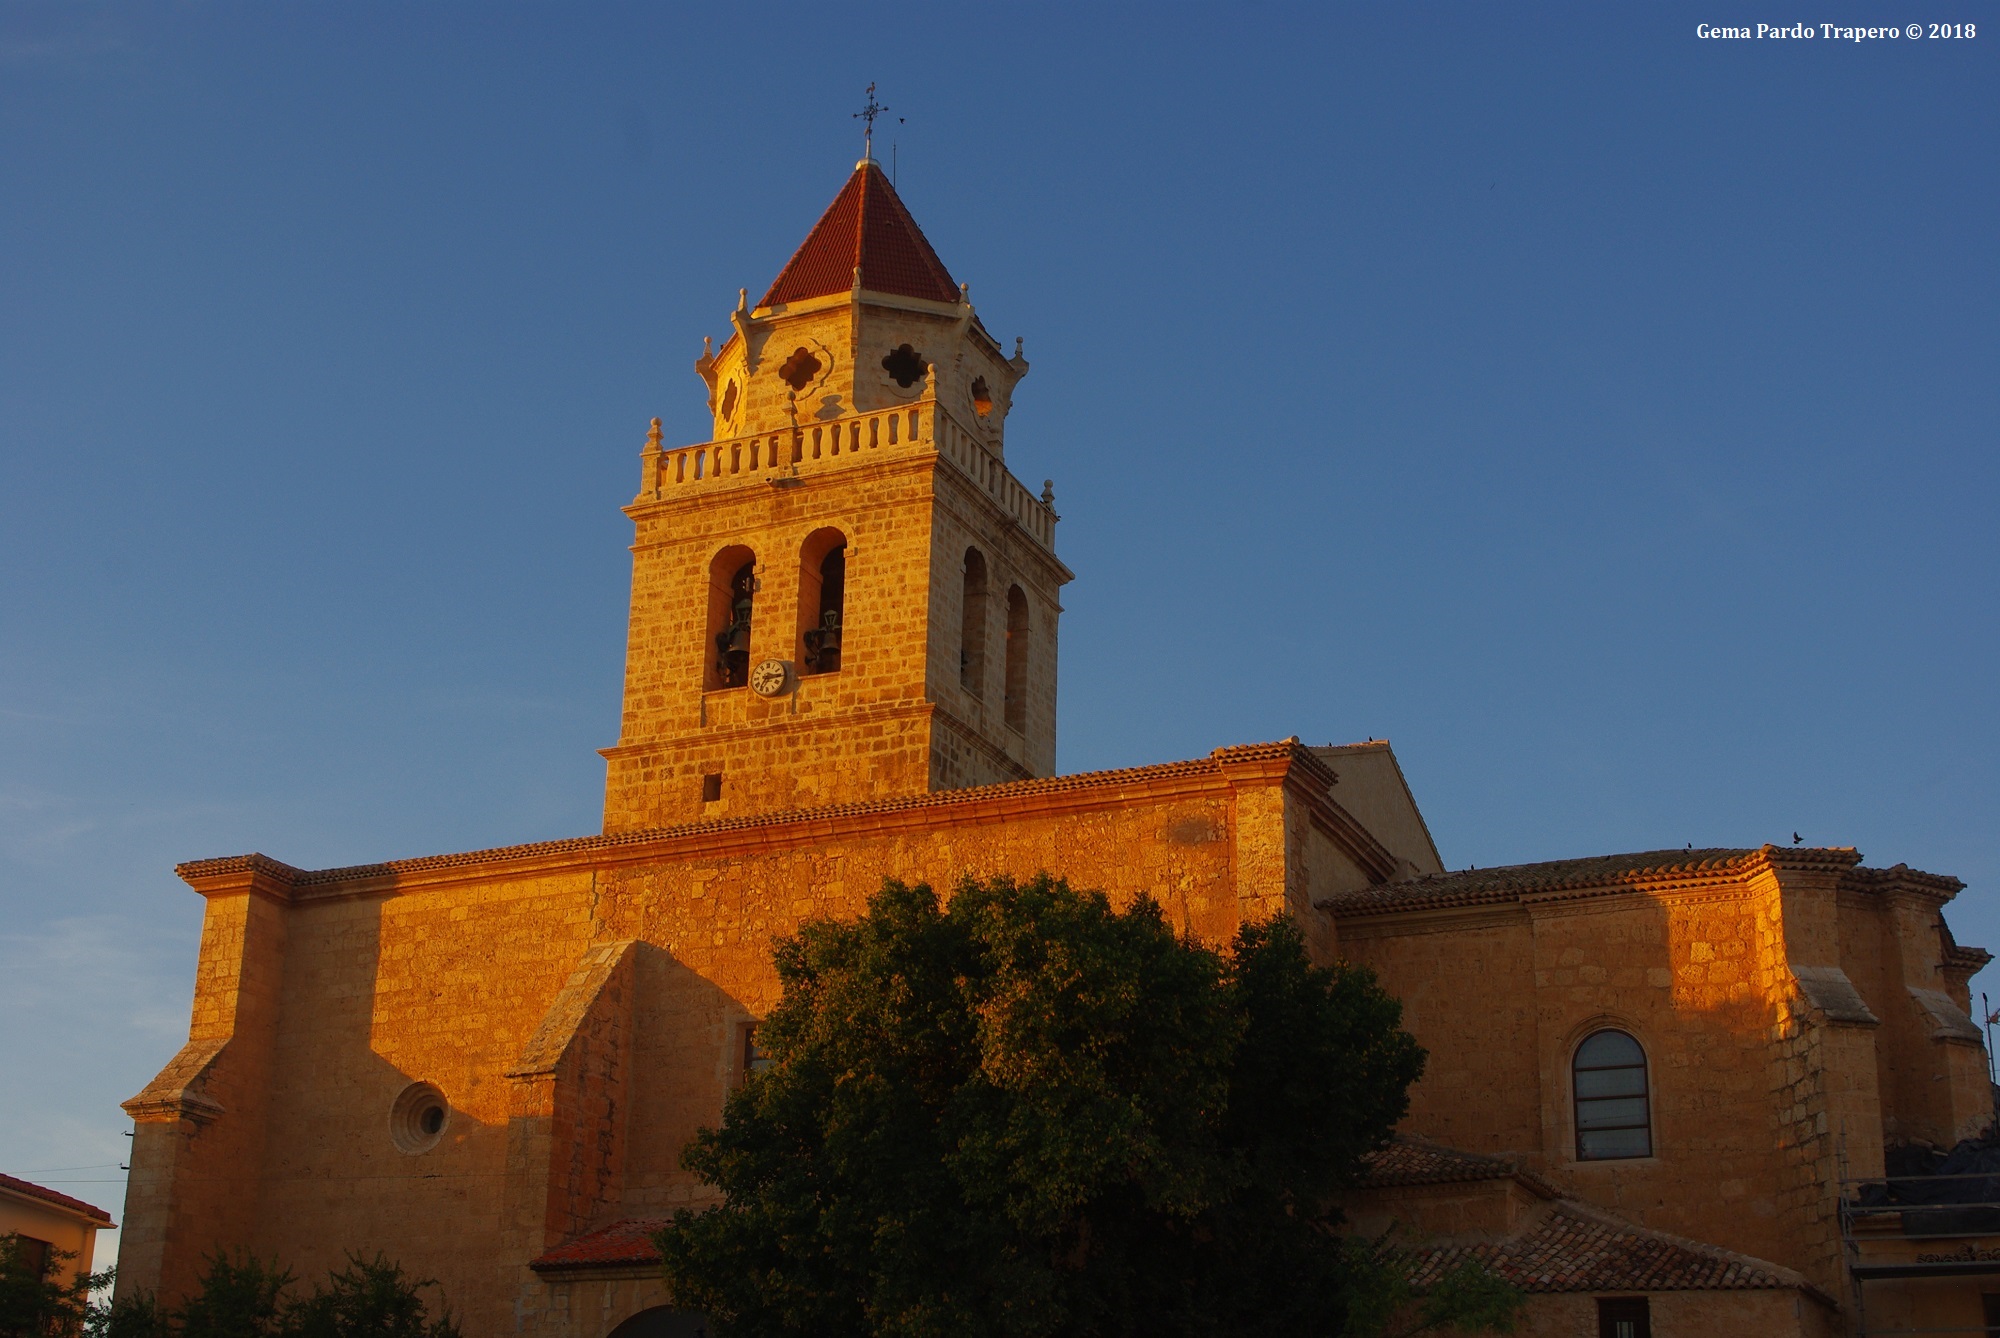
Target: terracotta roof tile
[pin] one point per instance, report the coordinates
(621, 1245)
(1964, 958)
(1904, 876)
(1412, 1161)
(866, 227)
(1474, 887)
(35, 1191)
(1576, 1249)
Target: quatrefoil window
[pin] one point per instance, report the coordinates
(799, 370)
(906, 365)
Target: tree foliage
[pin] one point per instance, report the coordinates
(239, 1295)
(36, 1300)
(370, 1298)
(1026, 1113)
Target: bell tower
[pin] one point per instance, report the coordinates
(843, 595)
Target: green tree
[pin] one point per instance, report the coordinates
(1026, 1113)
(240, 1296)
(129, 1317)
(370, 1298)
(36, 1299)
(237, 1296)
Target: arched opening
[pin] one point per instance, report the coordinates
(663, 1322)
(822, 601)
(1613, 1098)
(732, 595)
(1016, 701)
(972, 626)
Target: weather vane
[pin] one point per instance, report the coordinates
(867, 117)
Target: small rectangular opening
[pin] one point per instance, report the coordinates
(35, 1255)
(749, 1058)
(711, 787)
(1624, 1317)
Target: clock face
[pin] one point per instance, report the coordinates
(770, 678)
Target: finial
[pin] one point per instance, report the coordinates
(1017, 346)
(965, 292)
(743, 299)
(1049, 493)
(653, 436)
(857, 278)
(867, 117)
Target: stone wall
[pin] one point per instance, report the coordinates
(1773, 1010)
(581, 1004)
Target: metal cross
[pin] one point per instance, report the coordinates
(867, 117)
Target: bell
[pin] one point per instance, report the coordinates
(829, 636)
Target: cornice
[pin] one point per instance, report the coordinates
(1657, 873)
(1432, 920)
(1046, 797)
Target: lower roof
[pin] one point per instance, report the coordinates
(1570, 1247)
(27, 1189)
(1615, 873)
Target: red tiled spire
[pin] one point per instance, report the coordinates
(866, 226)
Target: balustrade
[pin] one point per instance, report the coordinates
(813, 447)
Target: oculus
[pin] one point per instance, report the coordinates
(418, 1117)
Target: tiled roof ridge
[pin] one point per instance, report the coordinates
(1593, 873)
(867, 227)
(1393, 1165)
(32, 1190)
(1779, 1275)
(1903, 873)
(1410, 1159)
(1571, 1246)
(1966, 957)
(1087, 780)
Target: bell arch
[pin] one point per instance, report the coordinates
(1015, 701)
(822, 601)
(972, 626)
(732, 595)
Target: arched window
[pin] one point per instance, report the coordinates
(1613, 1118)
(822, 600)
(732, 593)
(1016, 701)
(972, 626)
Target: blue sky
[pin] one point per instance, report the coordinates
(1604, 415)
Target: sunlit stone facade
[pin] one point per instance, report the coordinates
(841, 667)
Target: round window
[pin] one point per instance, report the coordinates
(418, 1118)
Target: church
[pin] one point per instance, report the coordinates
(1661, 1089)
